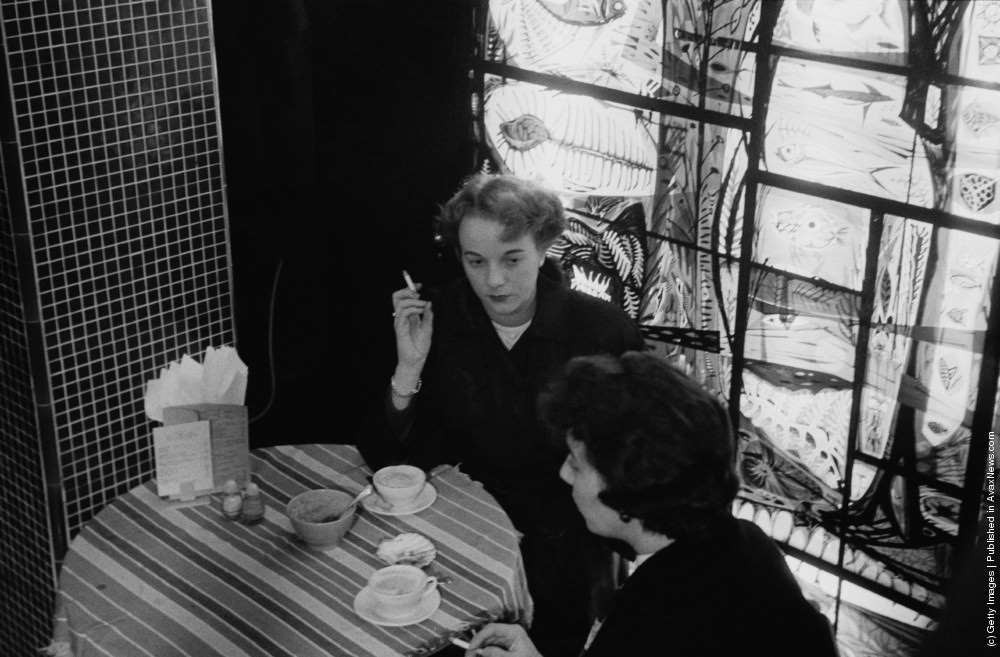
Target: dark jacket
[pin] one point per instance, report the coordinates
(477, 407)
(477, 403)
(729, 593)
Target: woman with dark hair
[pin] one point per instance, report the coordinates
(472, 357)
(650, 464)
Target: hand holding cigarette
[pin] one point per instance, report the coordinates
(413, 324)
(501, 639)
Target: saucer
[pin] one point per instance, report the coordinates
(364, 606)
(376, 504)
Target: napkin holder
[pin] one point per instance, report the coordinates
(202, 442)
(225, 448)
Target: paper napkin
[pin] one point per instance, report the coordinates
(221, 378)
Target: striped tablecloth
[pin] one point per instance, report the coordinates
(145, 577)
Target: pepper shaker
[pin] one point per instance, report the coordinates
(253, 504)
(232, 500)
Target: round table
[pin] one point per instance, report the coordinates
(151, 577)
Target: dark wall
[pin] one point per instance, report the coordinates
(344, 124)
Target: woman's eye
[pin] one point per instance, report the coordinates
(513, 261)
(474, 263)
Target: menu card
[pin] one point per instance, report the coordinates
(228, 444)
(183, 455)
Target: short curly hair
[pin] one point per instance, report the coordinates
(663, 444)
(520, 205)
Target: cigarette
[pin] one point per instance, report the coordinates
(464, 645)
(409, 281)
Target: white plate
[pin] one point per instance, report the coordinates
(364, 606)
(376, 504)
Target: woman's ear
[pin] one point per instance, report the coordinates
(543, 251)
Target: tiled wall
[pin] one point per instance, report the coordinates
(114, 260)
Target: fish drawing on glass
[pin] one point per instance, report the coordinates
(910, 184)
(809, 227)
(842, 128)
(843, 25)
(871, 95)
(812, 237)
(615, 43)
(863, 98)
(809, 150)
(574, 144)
(585, 12)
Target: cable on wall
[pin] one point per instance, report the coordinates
(270, 344)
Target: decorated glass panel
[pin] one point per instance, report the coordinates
(798, 203)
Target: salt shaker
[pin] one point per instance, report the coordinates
(253, 504)
(232, 500)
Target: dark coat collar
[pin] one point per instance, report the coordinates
(549, 322)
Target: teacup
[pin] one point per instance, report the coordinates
(399, 485)
(398, 590)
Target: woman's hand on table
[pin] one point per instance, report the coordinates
(413, 322)
(502, 640)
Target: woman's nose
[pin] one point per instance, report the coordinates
(495, 276)
(566, 474)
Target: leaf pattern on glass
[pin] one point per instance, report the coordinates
(949, 374)
(607, 263)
